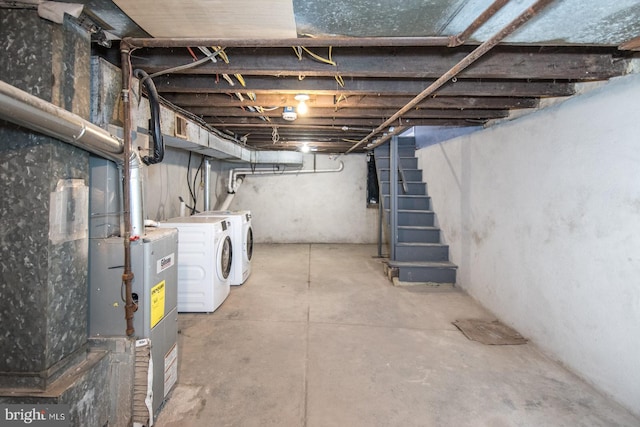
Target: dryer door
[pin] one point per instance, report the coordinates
(225, 258)
(249, 243)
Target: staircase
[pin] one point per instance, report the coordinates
(419, 254)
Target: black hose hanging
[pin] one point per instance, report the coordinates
(154, 128)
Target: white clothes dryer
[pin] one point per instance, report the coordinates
(242, 237)
(205, 257)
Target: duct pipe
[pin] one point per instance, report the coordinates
(127, 275)
(227, 201)
(476, 54)
(235, 173)
(26, 110)
(207, 185)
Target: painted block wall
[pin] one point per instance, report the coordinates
(542, 215)
(165, 182)
(312, 208)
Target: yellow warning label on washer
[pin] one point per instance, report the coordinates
(157, 303)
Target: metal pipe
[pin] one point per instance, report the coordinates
(207, 185)
(234, 173)
(136, 192)
(299, 41)
(26, 110)
(461, 38)
(456, 69)
(127, 275)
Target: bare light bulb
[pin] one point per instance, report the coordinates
(302, 108)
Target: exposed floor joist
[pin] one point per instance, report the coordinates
(373, 83)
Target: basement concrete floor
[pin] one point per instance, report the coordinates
(319, 337)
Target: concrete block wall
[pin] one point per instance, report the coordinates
(542, 218)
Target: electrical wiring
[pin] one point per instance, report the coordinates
(195, 187)
(186, 66)
(320, 58)
(240, 79)
(180, 67)
(193, 55)
(207, 53)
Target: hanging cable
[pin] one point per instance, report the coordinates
(154, 124)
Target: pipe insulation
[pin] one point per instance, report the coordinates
(24, 109)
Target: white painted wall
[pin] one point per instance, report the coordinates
(311, 208)
(543, 218)
(166, 181)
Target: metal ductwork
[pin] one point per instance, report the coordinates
(26, 110)
(19, 107)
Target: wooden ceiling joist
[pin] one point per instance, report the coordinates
(356, 101)
(415, 62)
(362, 86)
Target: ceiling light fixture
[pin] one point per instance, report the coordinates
(302, 98)
(305, 148)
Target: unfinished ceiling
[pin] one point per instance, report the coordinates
(361, 61)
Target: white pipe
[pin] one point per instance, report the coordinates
(234, 173)
(26, 110)
(136, 191)
(227, 201)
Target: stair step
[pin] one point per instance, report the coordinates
(419, 251)
(413, 188)
(409, 174)
(436, 272)
(414, 217)
(406, 162)
(418, 234)
(409, 201)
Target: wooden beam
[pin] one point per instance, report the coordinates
(399, 62)
(361, 86)
(368, 124)
(359, 101)
(357, 113)
(633, 44)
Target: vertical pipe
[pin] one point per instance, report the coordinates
(127, 275)
(136, 204)
(207, 185)
(393, 195)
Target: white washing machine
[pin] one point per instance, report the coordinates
(241, 237)
(205, 255)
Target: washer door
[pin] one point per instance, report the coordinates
(226, 256)
(249, 243)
